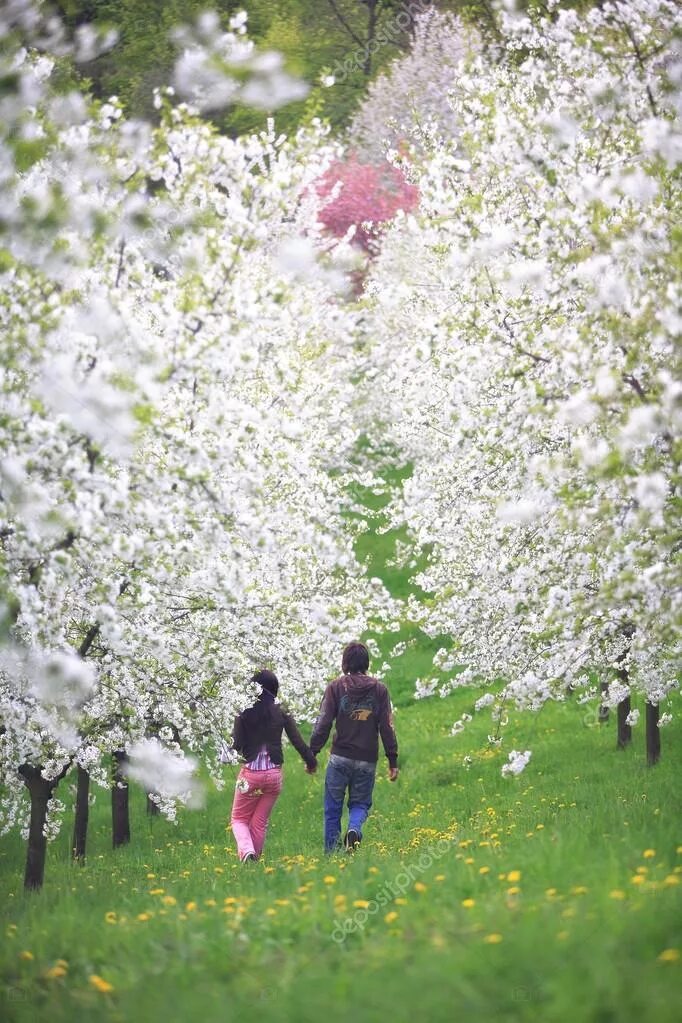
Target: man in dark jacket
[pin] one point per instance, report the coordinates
(361, 708)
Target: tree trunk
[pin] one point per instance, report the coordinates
(120, 818)
(653, 734)
(603, 709)
(152, 807)
(80, 823)
(40, 791)
(372, 18)
(624, 729)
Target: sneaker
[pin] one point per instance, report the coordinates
(352, 839)
(249, 858)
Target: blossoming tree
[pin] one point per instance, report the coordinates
(525, 331)
(171, 417)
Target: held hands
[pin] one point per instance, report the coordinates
(393, 773)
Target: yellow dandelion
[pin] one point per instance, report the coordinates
(229, 901)
(26, 955)
(669, 955)
(190, 907)
(617, 894)
(285, 902)
(671, 879)
(514, 890)
(144, 916)
(492, 939)
(550, 892)
(169, 900)
(373, 870)
(439, 877)
(468, 903)
(329, 879)
(419, 886)
(400, 902)
(156, 891)
(269, 870)
(100, 984)
(150, 877)
(484, 870)
(469, 860)
(649, 854)
(637, 879)
(111, 917)
(642, 870)
(270, 911)
(390, 917)
(579, 889)
(210, 902)
(339, 900)
(361, 903)
(55, 972)
(513, 876)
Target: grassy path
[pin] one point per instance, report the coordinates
(551, 896)
(554, 896)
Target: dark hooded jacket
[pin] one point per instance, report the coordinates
(361, 708)
(261, 726)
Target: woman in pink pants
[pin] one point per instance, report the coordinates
(258, 738)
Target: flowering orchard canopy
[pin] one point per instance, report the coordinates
(525, 330)
(172, 359)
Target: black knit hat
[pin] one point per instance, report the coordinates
(268, 680)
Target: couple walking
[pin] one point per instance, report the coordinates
(360, 707)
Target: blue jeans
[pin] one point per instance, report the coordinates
(356, 776)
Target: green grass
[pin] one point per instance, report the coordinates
(576, 825)
(554, 896)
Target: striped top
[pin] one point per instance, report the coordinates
(262, 762)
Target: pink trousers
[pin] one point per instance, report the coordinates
(255, 795)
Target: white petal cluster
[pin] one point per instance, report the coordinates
(517, 762)
(163, 773)
(216, 69)
(176, 438)
(525, 335)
